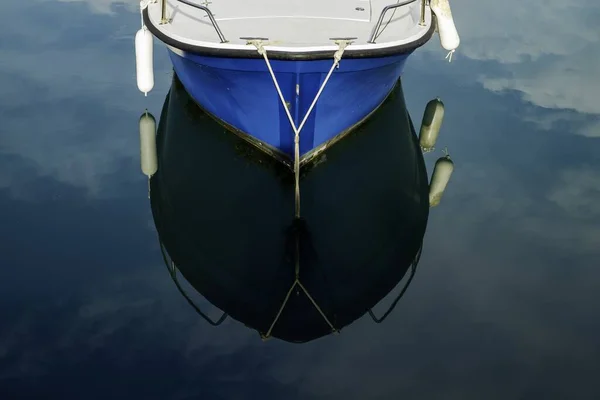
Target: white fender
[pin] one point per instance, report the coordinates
(144, 60)
(431, 124)
(439, 179)
(148, 156)
(445, 23)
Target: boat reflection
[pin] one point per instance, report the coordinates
(224, 212)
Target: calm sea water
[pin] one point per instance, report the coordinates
(504, 303)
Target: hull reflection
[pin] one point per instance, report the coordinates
(224, 211)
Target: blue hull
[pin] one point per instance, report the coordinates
(241, 93)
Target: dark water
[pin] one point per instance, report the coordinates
(504, 302)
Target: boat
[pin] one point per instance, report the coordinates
(292, 77)
(223, 213)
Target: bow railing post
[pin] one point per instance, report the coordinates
(163, 17)
(385, 9)
(422, 20)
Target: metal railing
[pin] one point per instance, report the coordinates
(392, 7)
(165, 20)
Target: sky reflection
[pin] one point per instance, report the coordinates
(504, 304)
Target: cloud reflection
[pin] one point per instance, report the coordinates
(105, 6)
(67, 93)
(549, 51)
(577, 192)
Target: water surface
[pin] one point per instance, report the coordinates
(504, 303)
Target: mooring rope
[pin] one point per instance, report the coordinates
(337, 57)
(258, 43)
(289, 293)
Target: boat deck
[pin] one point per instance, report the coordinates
(296, 25)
